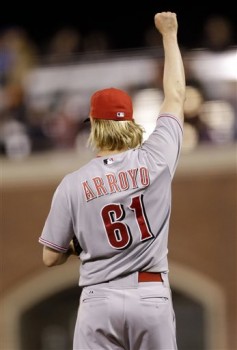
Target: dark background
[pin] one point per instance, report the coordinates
(124, 21)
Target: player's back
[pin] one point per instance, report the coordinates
(120, 207)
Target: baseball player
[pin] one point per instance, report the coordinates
(118, 208)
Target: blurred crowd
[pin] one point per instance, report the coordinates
(26, 127)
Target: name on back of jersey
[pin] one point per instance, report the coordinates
(98, 186)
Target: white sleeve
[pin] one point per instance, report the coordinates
(165, 142)
(58, 229)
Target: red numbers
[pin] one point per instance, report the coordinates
(138, 207)
(118, 232)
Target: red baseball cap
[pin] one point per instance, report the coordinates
(111, 104)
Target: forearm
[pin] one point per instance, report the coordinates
(174, 77)
(52, 257)
(61, 258)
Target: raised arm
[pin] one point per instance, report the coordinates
(173, 77)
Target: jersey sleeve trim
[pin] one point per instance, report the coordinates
(164, 115)
(53, 245)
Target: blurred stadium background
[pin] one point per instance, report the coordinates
(48, 70)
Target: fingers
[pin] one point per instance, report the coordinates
(165, 21)
(165, 16)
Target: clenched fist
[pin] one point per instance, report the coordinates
(166, 22)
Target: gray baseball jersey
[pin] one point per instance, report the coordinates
(119, 208)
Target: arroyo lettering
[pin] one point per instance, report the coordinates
(114, 183)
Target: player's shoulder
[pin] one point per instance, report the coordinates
(170, 119)
(79, 172)
(69, 177)
(73, 175)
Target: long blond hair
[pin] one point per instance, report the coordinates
(115, 135)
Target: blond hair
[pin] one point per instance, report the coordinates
(115, 135)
